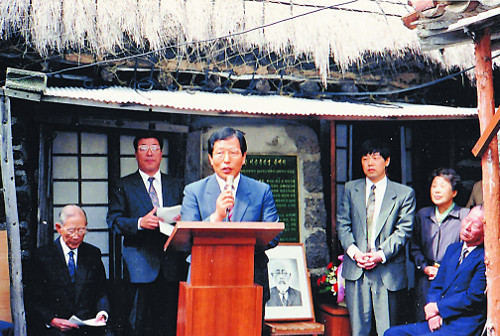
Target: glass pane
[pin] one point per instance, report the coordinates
(65, 167)
(57, 211)
(65, 193)
(340, 193)
(165, 147)
(341, 135)
(164, 165)
(127, 144)
(127, 166)
(93, 143)
(98, 239)
(341, 165)
(94, 192)
(95, 167)
(105, 261)
(65, 142)
(96, 217)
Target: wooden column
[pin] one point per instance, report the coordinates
(491, 186)
(10, 201)
(333, 189)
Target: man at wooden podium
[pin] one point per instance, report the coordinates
(228, 195)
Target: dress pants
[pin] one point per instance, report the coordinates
(371, 304)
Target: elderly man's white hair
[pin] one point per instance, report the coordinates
(71, 210)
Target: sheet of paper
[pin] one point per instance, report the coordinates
(89, 323)
(168, 217)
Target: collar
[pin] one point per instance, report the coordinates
(145, 176)
(222, 183)
(469, 248)
(66, 249)
(380, 185)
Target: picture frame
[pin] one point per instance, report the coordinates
(288, 274)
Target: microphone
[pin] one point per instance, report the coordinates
(229, 181)
(229, 185)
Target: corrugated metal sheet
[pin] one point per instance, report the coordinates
(236, 104)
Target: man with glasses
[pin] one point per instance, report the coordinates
(66, 278)
(283, 295)
(228, 195)
(153, 276)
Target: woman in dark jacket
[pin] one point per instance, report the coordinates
(434, 229)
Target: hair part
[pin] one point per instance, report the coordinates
(224, 134)
(147, 136)
(450, 175)
(373, 146)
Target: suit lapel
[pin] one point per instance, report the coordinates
(141, 192)
(386, 208)
(360, 203)
(242, 199)
(459, 269)
(212, 192)
(61, 268)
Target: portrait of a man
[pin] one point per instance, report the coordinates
(283, 272)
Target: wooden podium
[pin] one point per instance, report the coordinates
(222, 298)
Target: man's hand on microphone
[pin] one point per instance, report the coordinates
(224, 202)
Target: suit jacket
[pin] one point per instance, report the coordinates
(393, 230)
(294, 298)
(143, 249)
(254, 202)
(429, 242)
(50, 292)
(459, 291)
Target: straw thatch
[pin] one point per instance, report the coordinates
(345, 32)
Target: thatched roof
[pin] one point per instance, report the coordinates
(318, 31)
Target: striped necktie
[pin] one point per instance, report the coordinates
(152, 193)
(370, 209)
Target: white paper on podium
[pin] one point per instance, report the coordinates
(89, 323)
(168, 216)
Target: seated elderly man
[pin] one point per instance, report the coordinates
(456, 302)
(66, 278)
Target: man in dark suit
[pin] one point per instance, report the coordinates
(282, 295)
(248, 200)
(374, 224)
(456, 302)
(154, 277)
(66, 278)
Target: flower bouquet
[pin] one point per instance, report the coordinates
(332, 281)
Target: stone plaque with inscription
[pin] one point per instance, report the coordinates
(280, 172)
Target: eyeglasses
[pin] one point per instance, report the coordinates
(145, 148)
(222, 154)
(72, 231)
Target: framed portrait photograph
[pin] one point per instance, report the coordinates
(291, 297)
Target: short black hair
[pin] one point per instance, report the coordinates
(372, 146)
(224, 134)
(147, 136)
(450, 175)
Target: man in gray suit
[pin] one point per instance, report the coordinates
(374, 224)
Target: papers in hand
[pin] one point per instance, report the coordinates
(168, 216)
(88, 323)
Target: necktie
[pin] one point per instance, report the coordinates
(370, 209)
(152, 193)
(284, 300)
(71, 266)
(463, 255)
